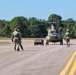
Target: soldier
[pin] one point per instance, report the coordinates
(20, 36)
(16, 39)
(67, 37)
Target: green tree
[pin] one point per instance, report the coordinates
(54, 17)
(21, 23)
(32, 26)
(7, 31)
(3, 24)
(37, 27)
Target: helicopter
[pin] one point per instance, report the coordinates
(54, 34)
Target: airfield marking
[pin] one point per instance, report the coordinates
(72, 71)
(68, 65)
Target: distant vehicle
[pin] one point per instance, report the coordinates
(38, 42)
(54, 34)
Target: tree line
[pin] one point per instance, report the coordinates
(36, 28)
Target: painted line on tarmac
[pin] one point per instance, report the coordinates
(73, 69)
(68, 65)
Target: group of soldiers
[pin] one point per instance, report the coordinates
(16, 38)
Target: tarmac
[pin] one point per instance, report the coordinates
(36, 60)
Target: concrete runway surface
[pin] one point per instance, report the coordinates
(35, 60)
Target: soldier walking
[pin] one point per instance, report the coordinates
(16, 38)
(67, 38)
(20, 38)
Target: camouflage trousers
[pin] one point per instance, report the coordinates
(17, 45)
(68, 42)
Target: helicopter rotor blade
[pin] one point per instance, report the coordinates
(40, 24)
(48, 23)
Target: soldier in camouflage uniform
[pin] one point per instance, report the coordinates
(16, 39)
(67, 37)
(20, 36)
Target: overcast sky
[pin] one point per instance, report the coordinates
(41, 9)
